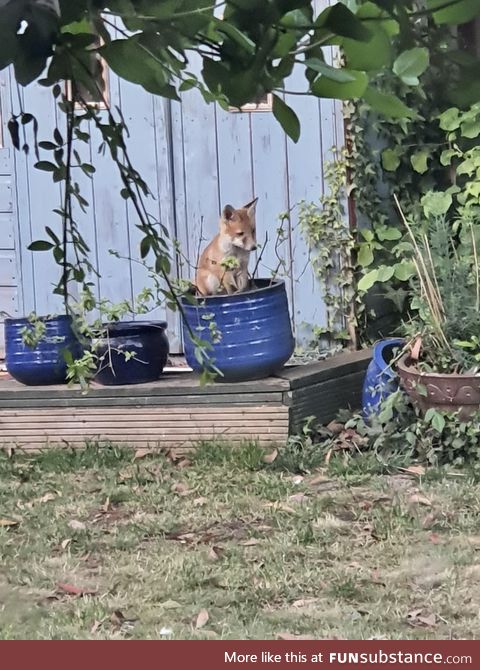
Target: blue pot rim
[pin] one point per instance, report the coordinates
(378, 349)
(276, 284)
(128, 326)
(25, 320)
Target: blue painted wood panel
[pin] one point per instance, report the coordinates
(43, 196)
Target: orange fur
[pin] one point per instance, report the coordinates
(236, 239)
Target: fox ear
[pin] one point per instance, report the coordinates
(227, 212)
(251, 207)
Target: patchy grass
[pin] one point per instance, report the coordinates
(95, 544)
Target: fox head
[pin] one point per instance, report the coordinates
(239, 225)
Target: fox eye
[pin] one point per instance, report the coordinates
(240, 233)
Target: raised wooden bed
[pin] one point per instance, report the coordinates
(177, 411)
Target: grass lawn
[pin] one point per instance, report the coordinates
(98, 544)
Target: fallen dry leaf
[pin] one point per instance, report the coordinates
(8, 523)
(430, 620)
(249, 543)
(298, 498)
(298, 479)
(304, 602)
(72, 590)
(199, 502)
(184, 463)
(47, 497)
(96, 626)
(170, 605)
(202, 618)
(142, 453)
(418, 470)
(277, 505)
(291, 636)
(76, 525)
(414, 613)
(214, 553)
(269, 458)
(429, 520)
(335, 427)
(118, 620)
(181, 488)
(66, 542)
(416, 618)
(419, 499)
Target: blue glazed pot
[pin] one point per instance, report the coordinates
(256, 337)
(380, 380)
(148, 342)
(45, 362)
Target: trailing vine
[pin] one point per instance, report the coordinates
(331, 243)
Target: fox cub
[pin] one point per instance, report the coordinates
(223, 266)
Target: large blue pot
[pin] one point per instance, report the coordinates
(255, 332)
(380, 380)
(148, 343)
(45, 362)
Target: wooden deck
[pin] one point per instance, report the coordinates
(176, 411)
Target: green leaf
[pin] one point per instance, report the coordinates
(286, 117)
(390, 159)
(46, 166)
(411, 64)
(323, 87)
(385, 273)
(387, 104)
(372, 55)
(456, 13)
(368, 280)
(390, 233)
(435, 419)
(236, 35)
(436, 203)
(342, 75)
(419, 161)
(404, 270)
(447, 155)
(470, 128)
(145, 246)
(40, 245)
(449, 120)
(48, 146)
(341, 21)
(139, 63)
(365, 255)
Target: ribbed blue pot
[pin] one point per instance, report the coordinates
(380, 379)
(45, 362)
(256, 337)
(148, 343)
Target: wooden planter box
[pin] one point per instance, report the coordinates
(177, 412)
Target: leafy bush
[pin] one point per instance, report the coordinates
(395, 437)
(445, 288)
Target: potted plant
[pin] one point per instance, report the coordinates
(441, 370)
(37, 349)
(248, 335)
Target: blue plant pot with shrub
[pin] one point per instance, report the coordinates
(380, 379)
(250, 332)
(43, 361)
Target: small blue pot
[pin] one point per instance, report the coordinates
(148, 342)
(45, 362)
(255, 332)
(380, 380)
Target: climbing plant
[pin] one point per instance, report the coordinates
(331, 243)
